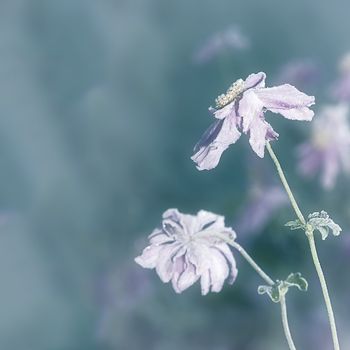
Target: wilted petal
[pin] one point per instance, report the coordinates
(214, 142)
(256, 80)
(226, 251)
(208, 220)
(172, 222)
(178, 269)
(224, 112)
(250, 108)
(197, 250)
(218, 270)
(302, 113)
(149, 257)
(158, 237)
(176, 223)
(187, 278)
(164, 266)
(258, 131)
(288, 101)
(205, 282)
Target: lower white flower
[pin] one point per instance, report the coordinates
(188, 248)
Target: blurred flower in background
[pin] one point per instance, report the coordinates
(100, 104)
(340, 90)
(230, 40)
(328, 151)
(262, 204)
(303, 73)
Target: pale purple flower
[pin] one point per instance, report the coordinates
(303, 73)
(231, 38)
(186, 248)
(340, 90)
(329, 148)
(242, 109)
(120, 291)
(262, 204)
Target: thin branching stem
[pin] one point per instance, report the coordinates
(252, 263)
(310, 236)
(266, 278)
(285, 323)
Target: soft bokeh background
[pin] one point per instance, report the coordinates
(100, 106)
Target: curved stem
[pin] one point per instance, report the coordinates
(310, 236)
(285, 183)
(252, 263)
(285, 323)
(269, 281)
(323, 282)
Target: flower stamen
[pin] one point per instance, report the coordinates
(231, 94)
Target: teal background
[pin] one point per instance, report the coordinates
(100, 106)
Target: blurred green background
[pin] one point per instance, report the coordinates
(101, 104)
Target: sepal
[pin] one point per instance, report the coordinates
(281, 288)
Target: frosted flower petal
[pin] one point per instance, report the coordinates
(245, 112)
(192, 251)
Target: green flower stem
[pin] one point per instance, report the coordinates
(252, 263)
(285, 323)
(266, 278)
(269, 281)
(285, 183)
(310, 237)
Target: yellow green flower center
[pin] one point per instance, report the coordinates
(321, 139)
(231, 94)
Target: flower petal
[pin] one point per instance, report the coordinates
(187, 278)
(209, 220)
(250, 108)
(172, 222)
(260, 131)
(224, 112)
(160, 238)
(255, 80)
(164, 266)
(205, 282)
(219, 270)
(149, 257)
(227, 253)
(288, 101)
(214, 142)
(302, 113)
(178, 269)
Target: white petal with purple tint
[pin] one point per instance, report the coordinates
(196, 249)
(245, 112)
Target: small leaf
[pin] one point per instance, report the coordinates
(263, 289)
(295, 224)
(296, 280)
(324, 231)
(281, 288)
(323, 223)
(272, 291)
